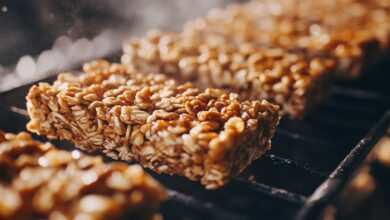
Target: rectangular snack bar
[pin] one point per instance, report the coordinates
(355, 33)
(291, 79)
(38, 181)
(169, 127)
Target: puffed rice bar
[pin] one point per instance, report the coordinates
(38, 181)
(169, 127)
(356, 33)
(291, 79)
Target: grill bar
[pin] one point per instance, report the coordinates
(273, 191)
(307, 168)
(329, 188)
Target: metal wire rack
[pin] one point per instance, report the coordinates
(309, 163)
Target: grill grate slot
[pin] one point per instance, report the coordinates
(300, 137)
(309, 169)
(276, 192)
(203, 206)
(360, 94)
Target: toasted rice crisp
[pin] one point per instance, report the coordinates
(291, 79)
(355, 33)
(38, 181)
(169, 127)
(283, 51)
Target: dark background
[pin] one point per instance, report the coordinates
(50, 36)
(29, 27)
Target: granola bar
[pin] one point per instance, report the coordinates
(291, 79)
(38, 181)
(355, 33)
(169, 127)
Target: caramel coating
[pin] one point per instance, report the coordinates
(38, 181)
(169, 127)
(291, 79)
(355, 33)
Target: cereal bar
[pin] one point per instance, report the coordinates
(166, 126)
(356, 33)
(291, 79)
(38, 181)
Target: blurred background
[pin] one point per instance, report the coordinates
(41, 37)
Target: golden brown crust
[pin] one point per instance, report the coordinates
(291, 79)
(169, 127)
(355, 33)
(283, 51)
(38, 181)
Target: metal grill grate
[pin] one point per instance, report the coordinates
(308, 164)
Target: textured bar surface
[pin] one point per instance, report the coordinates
(356, 33)
(38, 181)
(169, 127)
(291, 79)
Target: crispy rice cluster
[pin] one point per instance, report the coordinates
(355, 33)
(292, 80)
(169, 127)
(284, 51)
(38, 181)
